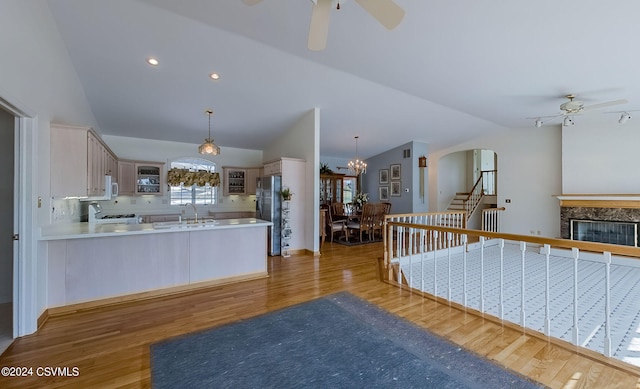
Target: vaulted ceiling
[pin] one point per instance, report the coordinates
(452, 70)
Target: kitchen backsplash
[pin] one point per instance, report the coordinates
(64, 211)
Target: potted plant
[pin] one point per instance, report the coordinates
(286, 194)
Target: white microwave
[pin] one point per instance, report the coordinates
(111, 191)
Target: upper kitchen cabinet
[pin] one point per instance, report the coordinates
(79, 162)
(126, 177)
(239, 180)
(235, 181)
(252, 179)
(149, 178)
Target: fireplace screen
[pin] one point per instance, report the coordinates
(605, 232)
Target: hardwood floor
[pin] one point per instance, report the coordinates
(110, 345)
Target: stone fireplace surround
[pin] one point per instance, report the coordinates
(615, 208)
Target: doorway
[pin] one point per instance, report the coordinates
(7, 217)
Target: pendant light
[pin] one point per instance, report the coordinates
(208, 147)
(357, 166)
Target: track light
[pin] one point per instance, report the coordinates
(625, 117)
(539, 123)
(568, 121)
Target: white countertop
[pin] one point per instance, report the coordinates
(85, 230)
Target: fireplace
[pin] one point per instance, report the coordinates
(600, 218)
(601, 231)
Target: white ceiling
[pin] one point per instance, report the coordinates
(452, 70)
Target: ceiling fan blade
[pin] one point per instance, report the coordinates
(602, 105)
(319, 28)
(387, 12)
(251, 2)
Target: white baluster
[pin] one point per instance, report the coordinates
(482, 274)
(523, 249)
(501, 244)
(607, 305)
(575, 253)
(547, 315)
(422, 259)
(449, 239)
(435, 264)
(464, 271)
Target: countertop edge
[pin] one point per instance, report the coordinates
(83, 230)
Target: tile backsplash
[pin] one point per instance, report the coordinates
(64, 210)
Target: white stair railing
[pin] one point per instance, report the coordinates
(492, 219)
(569, 290)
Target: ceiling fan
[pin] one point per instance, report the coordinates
(387, 12)
(574, 107)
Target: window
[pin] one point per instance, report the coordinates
(194, 194)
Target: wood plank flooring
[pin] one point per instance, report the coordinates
(110, 345)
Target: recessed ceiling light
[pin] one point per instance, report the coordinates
(152, 61)
(214, 76)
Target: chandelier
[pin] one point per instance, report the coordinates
(208, 147)
(357, 166)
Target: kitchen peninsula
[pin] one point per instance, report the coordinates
(117, 262)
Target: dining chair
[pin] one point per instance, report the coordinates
(364, 224)
(335, 225)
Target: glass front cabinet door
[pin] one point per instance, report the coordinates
(149, 178)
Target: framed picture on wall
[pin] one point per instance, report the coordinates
(395, 188)
(384, 176)
(383, 193)
(395, 173)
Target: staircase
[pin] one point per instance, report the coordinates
(457, 204)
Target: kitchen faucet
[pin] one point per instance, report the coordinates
(195, 211)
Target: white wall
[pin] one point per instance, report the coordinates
(529, 174)
(452, 178)
(37, 74)
(302, 141)
(601, 158)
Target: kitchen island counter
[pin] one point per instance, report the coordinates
(87, 230)
(111, 263)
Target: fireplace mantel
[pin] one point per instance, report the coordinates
(600, 200)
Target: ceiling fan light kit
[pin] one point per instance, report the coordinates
(573, 107)
(568, 121)
(625, 117)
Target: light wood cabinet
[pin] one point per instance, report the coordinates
(252, 175)
(273, 168)
(126, 178)
(234, 181)
(79, 162)
(149, 178)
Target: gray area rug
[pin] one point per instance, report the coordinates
(339, 341)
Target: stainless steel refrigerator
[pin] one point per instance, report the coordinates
(269, 207)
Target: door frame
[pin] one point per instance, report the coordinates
(25, 248)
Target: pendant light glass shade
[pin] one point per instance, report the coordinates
(357, 166)
(208, 147)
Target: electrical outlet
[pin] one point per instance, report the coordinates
(508, 201)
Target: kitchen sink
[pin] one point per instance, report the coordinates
(184, 224)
